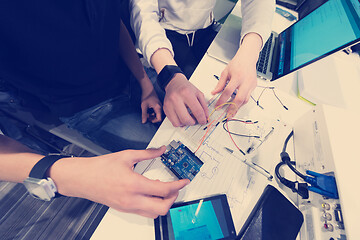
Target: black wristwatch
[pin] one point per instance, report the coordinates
(166, 74)
(38, 184)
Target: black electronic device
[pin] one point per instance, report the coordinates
(206, 219)
(181, 160)
(274, 217)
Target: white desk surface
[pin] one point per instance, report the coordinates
(343, 130)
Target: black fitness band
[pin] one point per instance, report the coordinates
(40, 168)
(166, 74)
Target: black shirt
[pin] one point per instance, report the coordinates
(66, 52)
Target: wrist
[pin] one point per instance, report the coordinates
(253, 40)
(144, 80)
(250, 47)
(176, 81)
(38, 183)
(160, 58)
(32, 159)
(147, 89)
(62, 172)
(167, 74)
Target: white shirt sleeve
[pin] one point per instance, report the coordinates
(150, 35)
(145, 20)
(257, 16)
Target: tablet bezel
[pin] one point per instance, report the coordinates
(162, 224)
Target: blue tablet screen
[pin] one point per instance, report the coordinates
(202, 220)
(334, 24)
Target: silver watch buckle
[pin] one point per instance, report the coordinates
(43, 189)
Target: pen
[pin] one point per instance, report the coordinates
(253, 146)
(254, 166)
(197, 211)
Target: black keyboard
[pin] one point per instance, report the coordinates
(264, 56)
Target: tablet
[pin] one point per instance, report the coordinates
(274, 217)
(207, 219)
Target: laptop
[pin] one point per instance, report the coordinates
(333, 26)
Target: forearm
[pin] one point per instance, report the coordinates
(161, 58)
(250, 47)
(107, 179)
(131, 58)
(150, 35)
(16, 160)
(257, 17)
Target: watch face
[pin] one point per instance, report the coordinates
(38, 188)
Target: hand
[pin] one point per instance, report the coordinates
(150, 107)
(184, 104)
(240, 74)
(110, 180)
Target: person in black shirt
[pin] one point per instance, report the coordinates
(76, 57)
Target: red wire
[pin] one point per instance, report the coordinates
(227, 127)
(203, 138)
(208, 129)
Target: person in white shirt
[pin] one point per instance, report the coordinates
(155, 21)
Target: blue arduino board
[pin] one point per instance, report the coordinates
(181, 160)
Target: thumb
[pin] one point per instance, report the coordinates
(176, 186)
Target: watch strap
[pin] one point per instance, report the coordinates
(166, 74)
(40, 168)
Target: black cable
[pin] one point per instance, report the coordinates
(276, 96)
(279, 99)
(238, 134)
(299, 188)
(277, 173)
(287, 140)
(257, 102)
(240, 120)
(285, 157)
